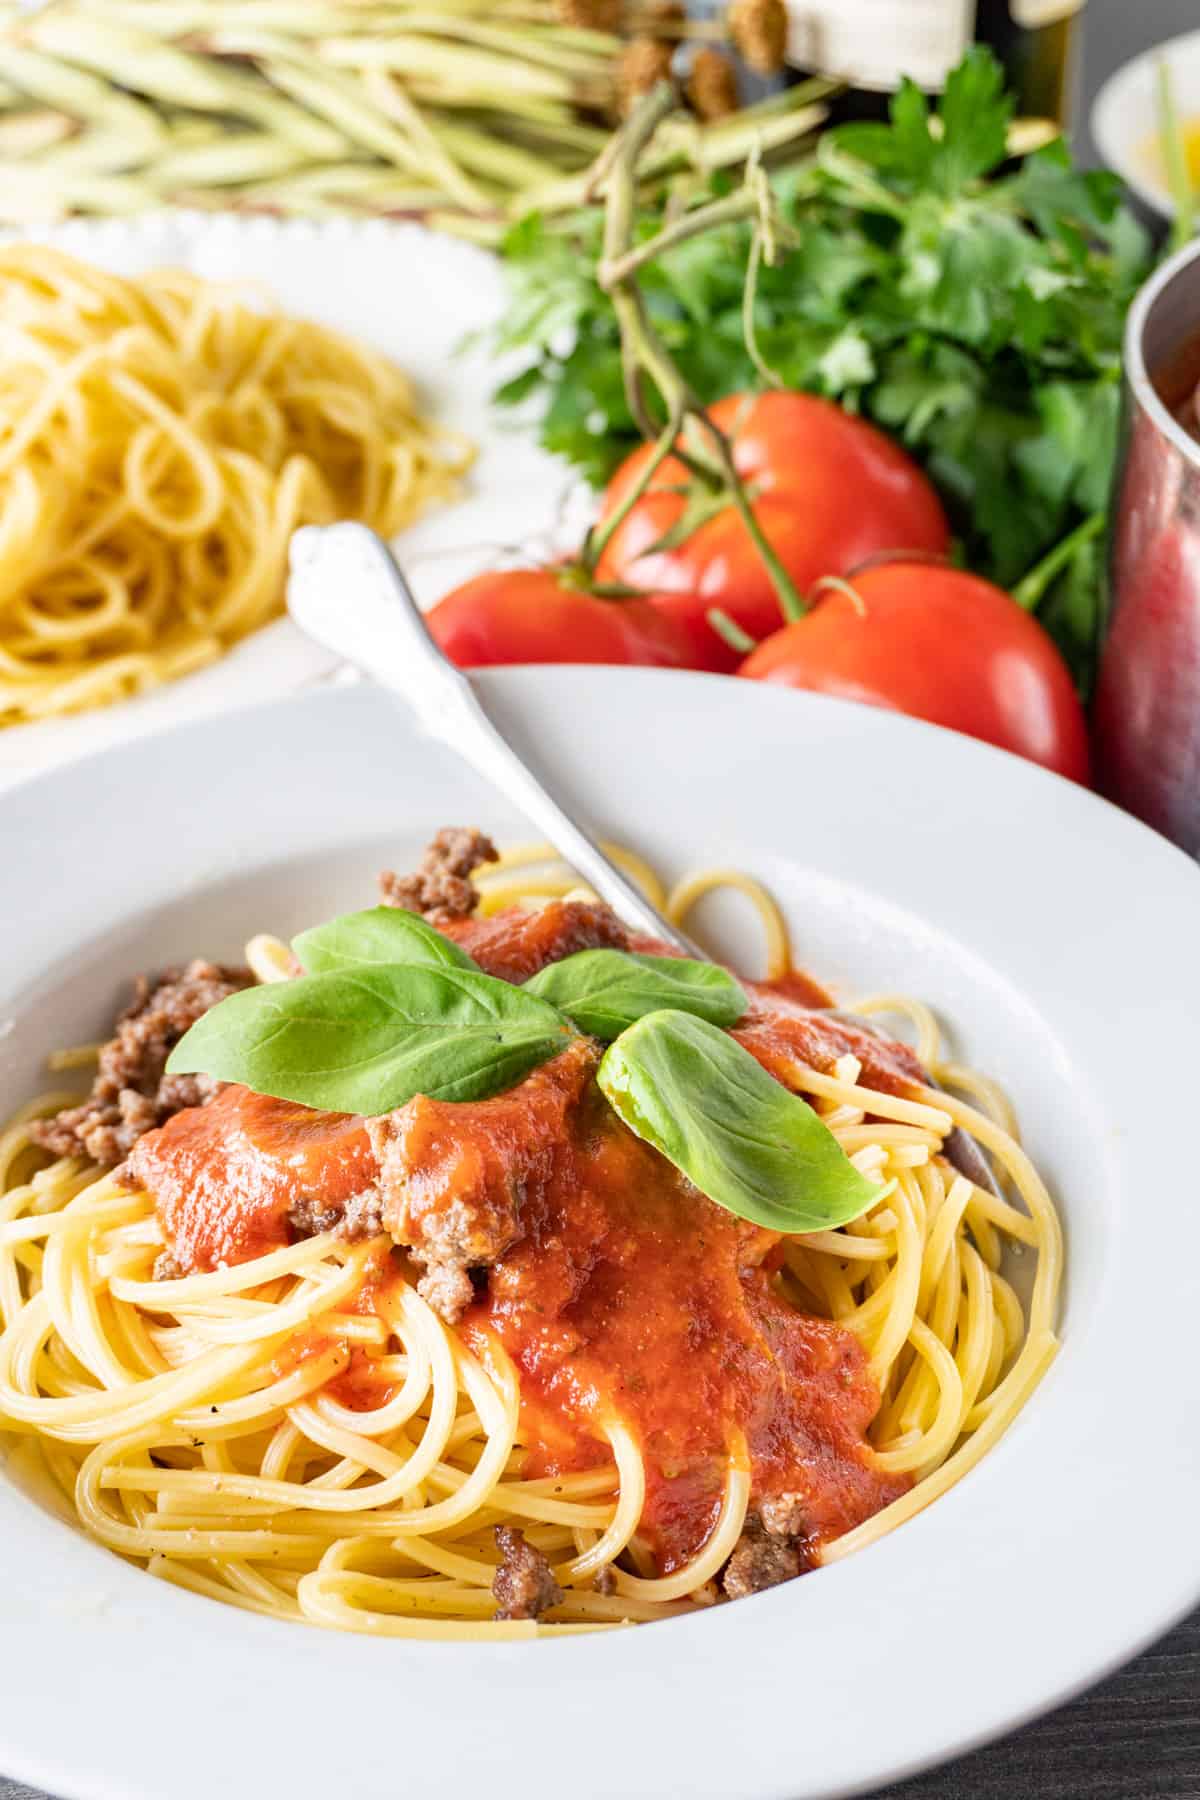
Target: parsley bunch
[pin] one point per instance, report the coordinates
(972, 309)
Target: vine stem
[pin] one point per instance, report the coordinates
(602, 535)
(791, 605)
(1031, 590)
(764, 247)
(707, 451)
(693, 224)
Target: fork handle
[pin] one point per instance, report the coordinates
(346, 590)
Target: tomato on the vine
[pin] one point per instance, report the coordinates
(537, 616)
(941, 645)
(828, 489)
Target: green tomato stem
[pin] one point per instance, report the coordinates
(749, 330)
(729, 631)
(600, 536)
(1031, 590)
(643, 353)
(727, 211)
(788, 594)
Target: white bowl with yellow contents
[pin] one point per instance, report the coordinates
(1126, 119)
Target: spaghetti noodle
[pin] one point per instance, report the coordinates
(160, 440)
(302, 1436)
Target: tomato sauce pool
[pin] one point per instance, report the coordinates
(633, 1297)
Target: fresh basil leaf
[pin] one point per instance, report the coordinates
(382, 934)
(605, 991)
(368, 1039)
(757, 1150)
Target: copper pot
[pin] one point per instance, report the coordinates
(1147, 710)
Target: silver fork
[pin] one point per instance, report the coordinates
(347, 591)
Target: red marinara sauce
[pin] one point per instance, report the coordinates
(229, 1179)
(633, 1295)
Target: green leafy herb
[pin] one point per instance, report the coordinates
(382, 934)
(368, 1039)
(973, 311)
(604, 991)
(736, 1133)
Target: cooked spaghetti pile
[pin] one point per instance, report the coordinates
(302, 1435)
(160, 440)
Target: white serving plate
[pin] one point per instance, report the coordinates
(1124, 118)
(1057, 935)
(418, 296)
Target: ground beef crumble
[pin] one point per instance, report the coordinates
(358, 1217)
(457, 1177)
(784, 1515)
(524, 1584)
(448, 1288)
(131, 1094)
(440, 887)
(761, 1560)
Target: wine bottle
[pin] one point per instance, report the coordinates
(872, 44)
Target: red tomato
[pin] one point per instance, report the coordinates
(829, 490)
(533, 616)
(943, 646)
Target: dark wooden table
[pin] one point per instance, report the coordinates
(1137, 1737)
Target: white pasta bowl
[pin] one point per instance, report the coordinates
(1055, 938)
